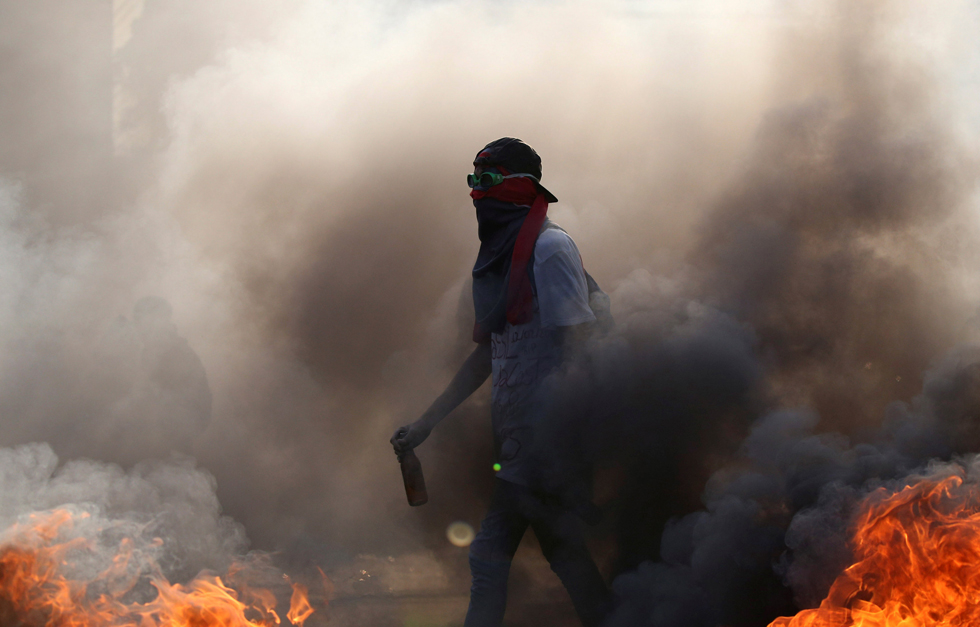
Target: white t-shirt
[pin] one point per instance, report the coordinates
(525, 354)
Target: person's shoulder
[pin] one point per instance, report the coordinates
(552, 241)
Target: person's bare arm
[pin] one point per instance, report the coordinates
(468, 379)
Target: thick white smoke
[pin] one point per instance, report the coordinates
(169, 510)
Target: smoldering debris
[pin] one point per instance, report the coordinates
(782, 513)
(87, 543)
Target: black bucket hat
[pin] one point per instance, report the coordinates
(517, 157)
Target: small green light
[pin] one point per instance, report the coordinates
(496, 467)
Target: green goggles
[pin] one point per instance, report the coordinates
(487, 179)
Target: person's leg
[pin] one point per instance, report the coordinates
(560, 534)
(490, 557)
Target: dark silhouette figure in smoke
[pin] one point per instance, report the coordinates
(532, 300)
(164, 400)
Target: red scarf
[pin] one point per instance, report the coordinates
(520, 295)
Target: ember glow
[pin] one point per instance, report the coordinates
(917, 556)
(40, 585)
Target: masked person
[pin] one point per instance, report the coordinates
(531, 295)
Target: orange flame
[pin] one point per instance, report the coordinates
(299, 605)
(35, 591)
(917, 563)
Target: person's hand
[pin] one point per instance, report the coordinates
(408, 437)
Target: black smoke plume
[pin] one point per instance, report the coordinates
(826, 249)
